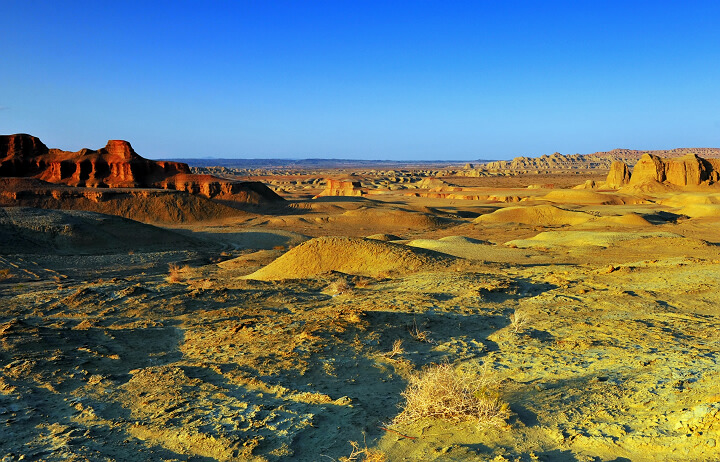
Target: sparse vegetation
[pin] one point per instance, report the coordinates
(518, 321)
(338, 287)
(397, 349)
(364, 454)
(175, 272)
(444, 392)
(419, 335)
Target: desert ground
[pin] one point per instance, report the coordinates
(293, 331)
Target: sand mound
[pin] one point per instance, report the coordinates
(630, 219)
(316, 206)
(349, 255)
(461, 240)
(701, 210)
(649, 186)
(543, 215)
(551, 239)
(29, 230)
(583, 196)
(458, 246)
(684, 199)
(384, 237)
(392, 218)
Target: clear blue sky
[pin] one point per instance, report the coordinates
(362, 79)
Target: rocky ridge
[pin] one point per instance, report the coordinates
(342, 188)
(597, 160)
(117, 165)
(653, 171)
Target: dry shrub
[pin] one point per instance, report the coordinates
(518, 321)
(175, 271)
(338, 287)
(4, 274)
(363, 282)
(364, 454)
(420, 335)
(443, 392)
(397, 349)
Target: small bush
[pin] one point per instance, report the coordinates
(420, 335)
(365, 454)
(338, 287)
(443, 392)
(397, 349)
(518, 321)
(175, 272)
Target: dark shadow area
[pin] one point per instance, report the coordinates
(524, 415)
(44, 423)
(662, 217)
(251, 240)
(557, 455)
(540, 335)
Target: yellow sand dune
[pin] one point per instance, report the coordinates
(582, 196)
(358, 256)
(543, 215)
(550, 239)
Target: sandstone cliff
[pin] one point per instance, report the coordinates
(687, 171)
(619, 175)
(146, 205)
(342, 188)
(117, 165)
(597, 160)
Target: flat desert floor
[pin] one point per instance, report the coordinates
(287, 335)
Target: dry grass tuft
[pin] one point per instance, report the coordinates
(4, 274)
(443, 392)
(397, 349)
(338, 287)
(175, 272)
(518, 321)
(364, 454)
(420, 335)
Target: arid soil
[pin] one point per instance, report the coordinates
(289, 333)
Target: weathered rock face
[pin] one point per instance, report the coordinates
(342, 188)
(597, 160)
(117, 165)
(689, 170)
(618, 176)
(146, 205)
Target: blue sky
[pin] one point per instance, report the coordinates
(413, 80)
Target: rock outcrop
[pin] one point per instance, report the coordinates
(652, 172)
(117, 165)
(618, 176)
(689, 170)
(342, 188)
(145, 205)
(597, 160)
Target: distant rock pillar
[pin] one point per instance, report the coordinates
(618, 176)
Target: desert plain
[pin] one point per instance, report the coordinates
(146, 326)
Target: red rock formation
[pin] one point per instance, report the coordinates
(146, 205)
(117, 165)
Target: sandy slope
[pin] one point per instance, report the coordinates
(107, 354)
